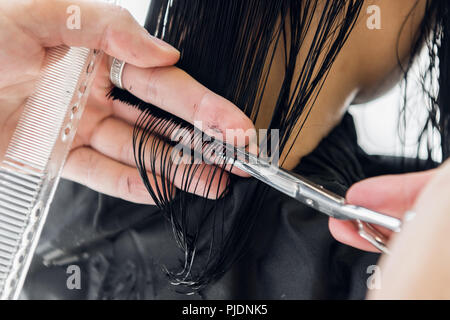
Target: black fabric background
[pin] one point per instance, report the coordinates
(121, 246)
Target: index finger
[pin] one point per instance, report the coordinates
(176, 92)
(91, 24)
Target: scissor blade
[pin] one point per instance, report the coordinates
(309, 193)
(315, 196)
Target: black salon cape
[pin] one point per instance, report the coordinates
(121, 247)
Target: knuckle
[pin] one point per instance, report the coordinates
(126, 16)
(100, 125)
(152, 92)
(84, 160)
(90, 165)
(126, 152)
(121, 17)
(114, 13)
(124, 185)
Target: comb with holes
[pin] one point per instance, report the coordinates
(31, 167)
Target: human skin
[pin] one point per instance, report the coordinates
(101, 156)
(367, 66)
(419, 260)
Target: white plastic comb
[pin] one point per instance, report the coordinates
(32, 165)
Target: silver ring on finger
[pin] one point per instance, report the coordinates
(116, 72)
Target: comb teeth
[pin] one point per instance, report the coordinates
(34, 158)
(17, 193)
(35, 135)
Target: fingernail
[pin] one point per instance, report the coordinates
(163, 45)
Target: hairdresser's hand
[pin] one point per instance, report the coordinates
(419, 263)
(393, 195)
(102, 154)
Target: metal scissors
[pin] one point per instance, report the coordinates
(316, 196)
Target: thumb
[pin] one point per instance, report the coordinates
(392, 195)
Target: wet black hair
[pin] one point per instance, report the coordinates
(229, 46)
(432, 39)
